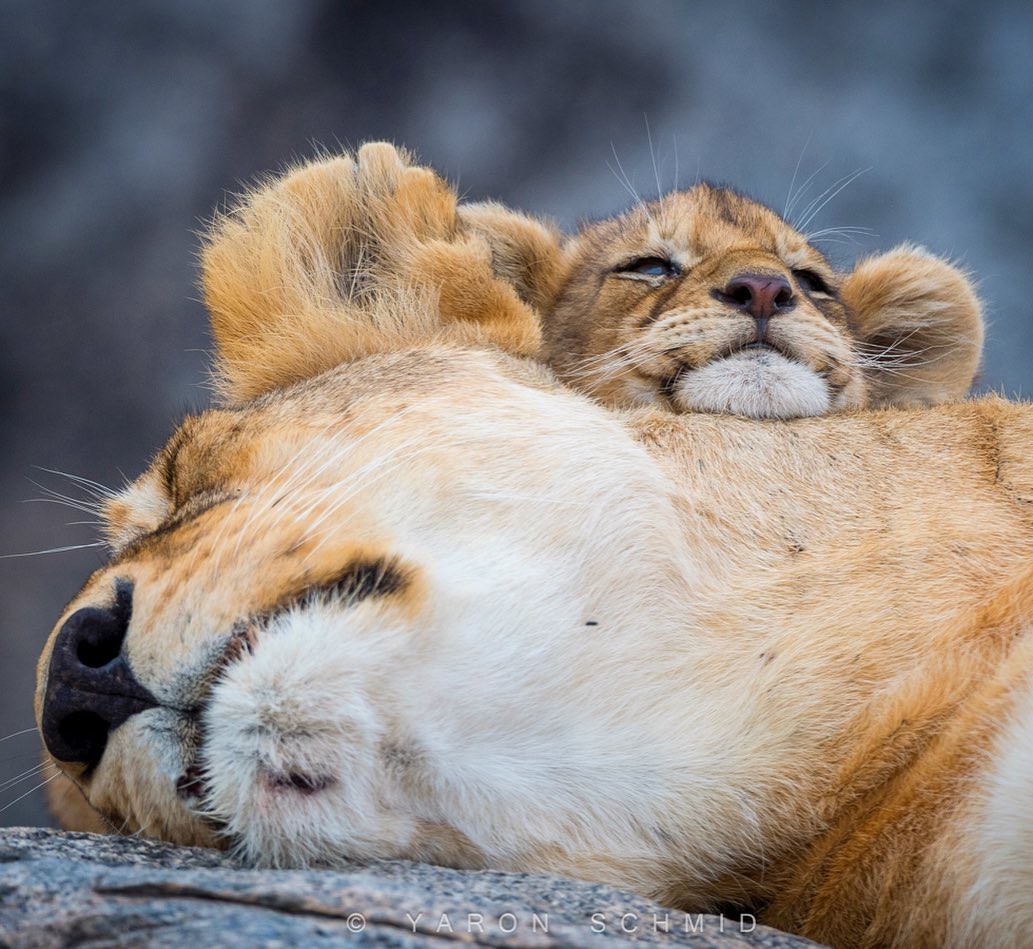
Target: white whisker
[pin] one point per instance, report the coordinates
(819, 203)
(803, 190)
(24, 731)
(25, 775)
(52, 550)
(796, 171)
(30, 791)
(95, 487)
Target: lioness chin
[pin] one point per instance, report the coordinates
(432, 604)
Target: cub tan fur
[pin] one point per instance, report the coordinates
(903, 328)
(787, 666)
(279, 267)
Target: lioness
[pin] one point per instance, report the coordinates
(430, 603)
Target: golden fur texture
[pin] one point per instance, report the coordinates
(650, 312)
(903, 328)
(293, 274)
(432, 604)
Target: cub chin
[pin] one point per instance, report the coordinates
(708, 301)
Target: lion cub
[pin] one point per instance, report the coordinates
(703, 301)
(708, 301)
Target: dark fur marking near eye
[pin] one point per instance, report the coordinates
(360, 580)
(363, 579)
(659, 307)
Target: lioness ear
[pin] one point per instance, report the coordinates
(920, 326)
(526, 251)
(344, 257)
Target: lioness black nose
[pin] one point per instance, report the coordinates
(90, 688)
(760, 295)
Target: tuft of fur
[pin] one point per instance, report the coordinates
(346, 256)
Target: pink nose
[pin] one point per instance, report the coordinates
(760, 295)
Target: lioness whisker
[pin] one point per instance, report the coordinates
(56, 774)
(24, 731)
(86, 505)
(25, 775)
(88, 484)
(64, 502)
(51, 550)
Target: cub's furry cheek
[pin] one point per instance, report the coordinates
(756, 385)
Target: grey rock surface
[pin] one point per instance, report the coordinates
(59, 889)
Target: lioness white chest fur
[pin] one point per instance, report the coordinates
(576, 663)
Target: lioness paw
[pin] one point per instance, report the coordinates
(347, 256)
(419, 245)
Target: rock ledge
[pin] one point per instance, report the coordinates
(58, 889)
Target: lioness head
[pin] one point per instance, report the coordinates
(708, 301)
(304, 581)
(301, 590)
(406, 595)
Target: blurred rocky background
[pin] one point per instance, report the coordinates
(122, 125)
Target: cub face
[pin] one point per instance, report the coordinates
(708, 301)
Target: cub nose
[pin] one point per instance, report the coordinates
(760, 295)
(90, 688)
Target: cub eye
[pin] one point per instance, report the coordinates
(650, 267)
(812, 282)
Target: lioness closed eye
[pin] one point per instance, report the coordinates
(708, 301)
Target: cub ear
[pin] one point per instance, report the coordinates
(344, 257)
(526, 251)
(920, 325)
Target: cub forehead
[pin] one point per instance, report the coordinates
(689, 225)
